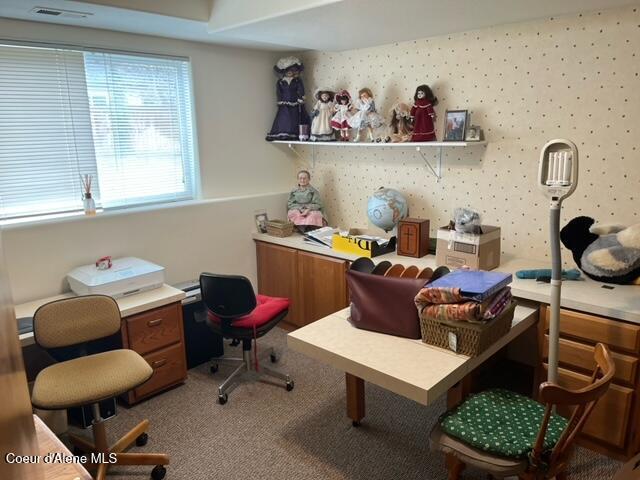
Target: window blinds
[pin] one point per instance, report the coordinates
(45, 131)
(124, 119)
(142, 132)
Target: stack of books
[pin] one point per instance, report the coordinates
(471, 295)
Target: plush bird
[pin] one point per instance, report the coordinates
(606, 253)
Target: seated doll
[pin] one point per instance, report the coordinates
(305, 206)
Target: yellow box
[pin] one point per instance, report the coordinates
(360, 246)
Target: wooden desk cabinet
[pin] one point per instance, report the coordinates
(613, 426)
(316, 284)
(158, 336)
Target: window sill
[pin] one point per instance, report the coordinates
(81, 217)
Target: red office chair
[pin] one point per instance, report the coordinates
(235, 312)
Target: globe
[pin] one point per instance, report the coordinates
(386, 207)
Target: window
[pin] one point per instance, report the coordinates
(124, 119)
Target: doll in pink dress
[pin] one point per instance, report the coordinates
(340, 120)
(424, 115)
(304, 205)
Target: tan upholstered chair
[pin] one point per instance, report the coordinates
(550, 449)
(87, 380)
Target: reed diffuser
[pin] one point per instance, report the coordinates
(87, 200)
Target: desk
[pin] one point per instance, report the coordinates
(404, 366)
(131, 305)
(152, 325)
(49, 443)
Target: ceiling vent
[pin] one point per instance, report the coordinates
(56, 12)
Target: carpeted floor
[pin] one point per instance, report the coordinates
(265, 432)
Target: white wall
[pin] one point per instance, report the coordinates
(235, 103)
(214, 236)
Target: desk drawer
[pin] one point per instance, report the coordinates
(154, 329)
(169, 368)
(614, 333)
(580, 355)
(609, 420)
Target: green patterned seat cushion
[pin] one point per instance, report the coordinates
(502, 423)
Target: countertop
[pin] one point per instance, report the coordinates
(620, 302)
(140, 302)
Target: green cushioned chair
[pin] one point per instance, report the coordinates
(507, 434)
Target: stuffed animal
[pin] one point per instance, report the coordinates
(606, 253)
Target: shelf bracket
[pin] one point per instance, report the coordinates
(293, 149)
(436, 172)
(313, 153)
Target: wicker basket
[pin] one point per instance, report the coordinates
(465, 337)
(279, 228)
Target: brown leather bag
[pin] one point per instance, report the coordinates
(384, 304)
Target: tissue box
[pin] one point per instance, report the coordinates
(456, 249)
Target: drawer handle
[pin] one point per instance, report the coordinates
(158, 363)
(154, 323)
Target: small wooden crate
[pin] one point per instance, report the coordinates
(279, 228)
(467, 338)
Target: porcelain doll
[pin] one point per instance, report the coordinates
(304, 207)
(321, 130)
(340, 120)
(292, 120)
(423, 115)
(400, 127)
(366, 116)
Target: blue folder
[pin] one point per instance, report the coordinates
(476, 285)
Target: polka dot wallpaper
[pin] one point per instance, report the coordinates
(574, 77)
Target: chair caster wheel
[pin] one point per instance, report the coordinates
(142, 440)
(355, 423)
(158, 472)
(213, 368)
(290, 385)
(273, 358)
(222, 399)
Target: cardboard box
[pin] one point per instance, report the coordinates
(456, 249)
(361, 247)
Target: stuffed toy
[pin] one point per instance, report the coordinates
(606, 253)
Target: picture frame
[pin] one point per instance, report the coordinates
(261, 219)
(455, 125)
(473, 134)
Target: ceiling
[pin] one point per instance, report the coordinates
(287, 25)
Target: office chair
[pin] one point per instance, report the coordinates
(89, 379)
(506, 434)
(235, 312)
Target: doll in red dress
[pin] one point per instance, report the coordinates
(423, 115)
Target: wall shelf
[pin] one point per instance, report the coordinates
(420, 147)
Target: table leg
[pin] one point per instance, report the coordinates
(355, 398)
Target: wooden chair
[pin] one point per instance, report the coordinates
(540, 464)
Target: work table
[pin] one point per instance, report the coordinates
(131, 305)
(622, 302)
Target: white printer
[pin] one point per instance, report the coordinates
(126, 276)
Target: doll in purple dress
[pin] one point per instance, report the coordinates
(292, 120)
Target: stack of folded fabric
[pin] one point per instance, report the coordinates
(465, 295)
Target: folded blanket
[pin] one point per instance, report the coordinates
(449, 304)
(501, 300)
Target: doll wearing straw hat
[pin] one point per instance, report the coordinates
(321, 130)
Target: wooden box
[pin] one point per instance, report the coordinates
(413, 237)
